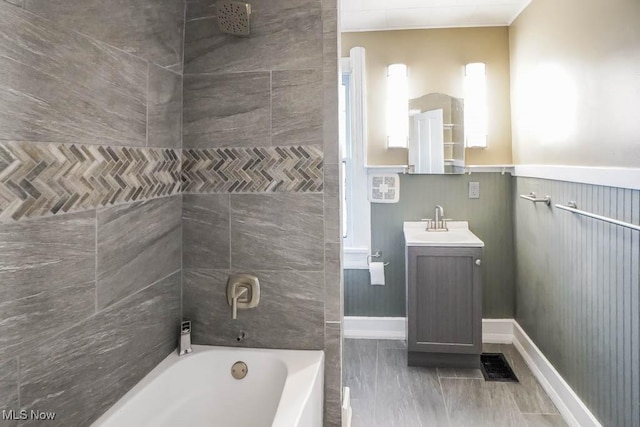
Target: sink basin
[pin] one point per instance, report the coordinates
(458, 235)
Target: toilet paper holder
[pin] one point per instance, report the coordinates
(378, 254)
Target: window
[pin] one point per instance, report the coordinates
(345, 149)
(356, 211)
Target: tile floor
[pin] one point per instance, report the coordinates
(385, 392)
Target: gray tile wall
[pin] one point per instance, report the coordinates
(332, 217)
(90, 138)
(490, 218)
(81, 90)
(137, 244)
(227, 110)
(274, 89)
(90, 300)
(152, 30)
(81, 376)
(70, 326)
(578, 291)
(289, 315)
(66, 96)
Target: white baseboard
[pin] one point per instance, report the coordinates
(386, 328)
(497, 331)
(394, 328)
(347, 412)
(573, 410)
(501, 331)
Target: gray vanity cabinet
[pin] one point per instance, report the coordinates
(444, 306)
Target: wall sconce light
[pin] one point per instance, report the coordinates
(397, 106)
(475, 105)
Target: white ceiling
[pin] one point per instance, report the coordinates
(373, 15)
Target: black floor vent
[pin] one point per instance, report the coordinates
(496, 368)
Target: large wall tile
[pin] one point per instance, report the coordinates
(297, 107)
(197, 9)
(205, 231)
(332, 374)
(330, 35)
(227, 110)
(285, 34)
(9, 398)
(277, 231)
(289, 315)
(331, 78)
(152, 30)
(138, 244)
(59, 86)
(164, 123)
(332, 282)
(47, 270)
(83, 371)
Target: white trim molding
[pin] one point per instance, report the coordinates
(347, 412)
(502, 331)
(387, 328)
(488, 169)
(404, 169)
(357, 204)
(595, 175)
(355, 259)
(497, 331)
(573, 410)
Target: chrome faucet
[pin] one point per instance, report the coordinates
(439, 214)
(439, 223)
(185, 338)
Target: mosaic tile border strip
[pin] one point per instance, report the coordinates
(42, 179)
(253, 170)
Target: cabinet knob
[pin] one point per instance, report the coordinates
(478, 262)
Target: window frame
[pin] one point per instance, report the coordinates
(357, 243)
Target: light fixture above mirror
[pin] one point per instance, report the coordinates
(397, 106)
(475, 107)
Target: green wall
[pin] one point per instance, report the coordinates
(578, 291)
(490, 218)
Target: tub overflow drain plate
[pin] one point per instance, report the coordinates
(239, 370)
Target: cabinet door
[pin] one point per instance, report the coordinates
(444, 300)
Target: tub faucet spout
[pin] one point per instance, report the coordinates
(185, 338)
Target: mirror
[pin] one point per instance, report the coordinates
(436, 134)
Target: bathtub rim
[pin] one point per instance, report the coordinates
(304, 369)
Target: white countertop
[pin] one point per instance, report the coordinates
(458, 235)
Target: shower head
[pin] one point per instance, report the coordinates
(233, 17)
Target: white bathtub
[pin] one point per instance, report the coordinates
(283, 388)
